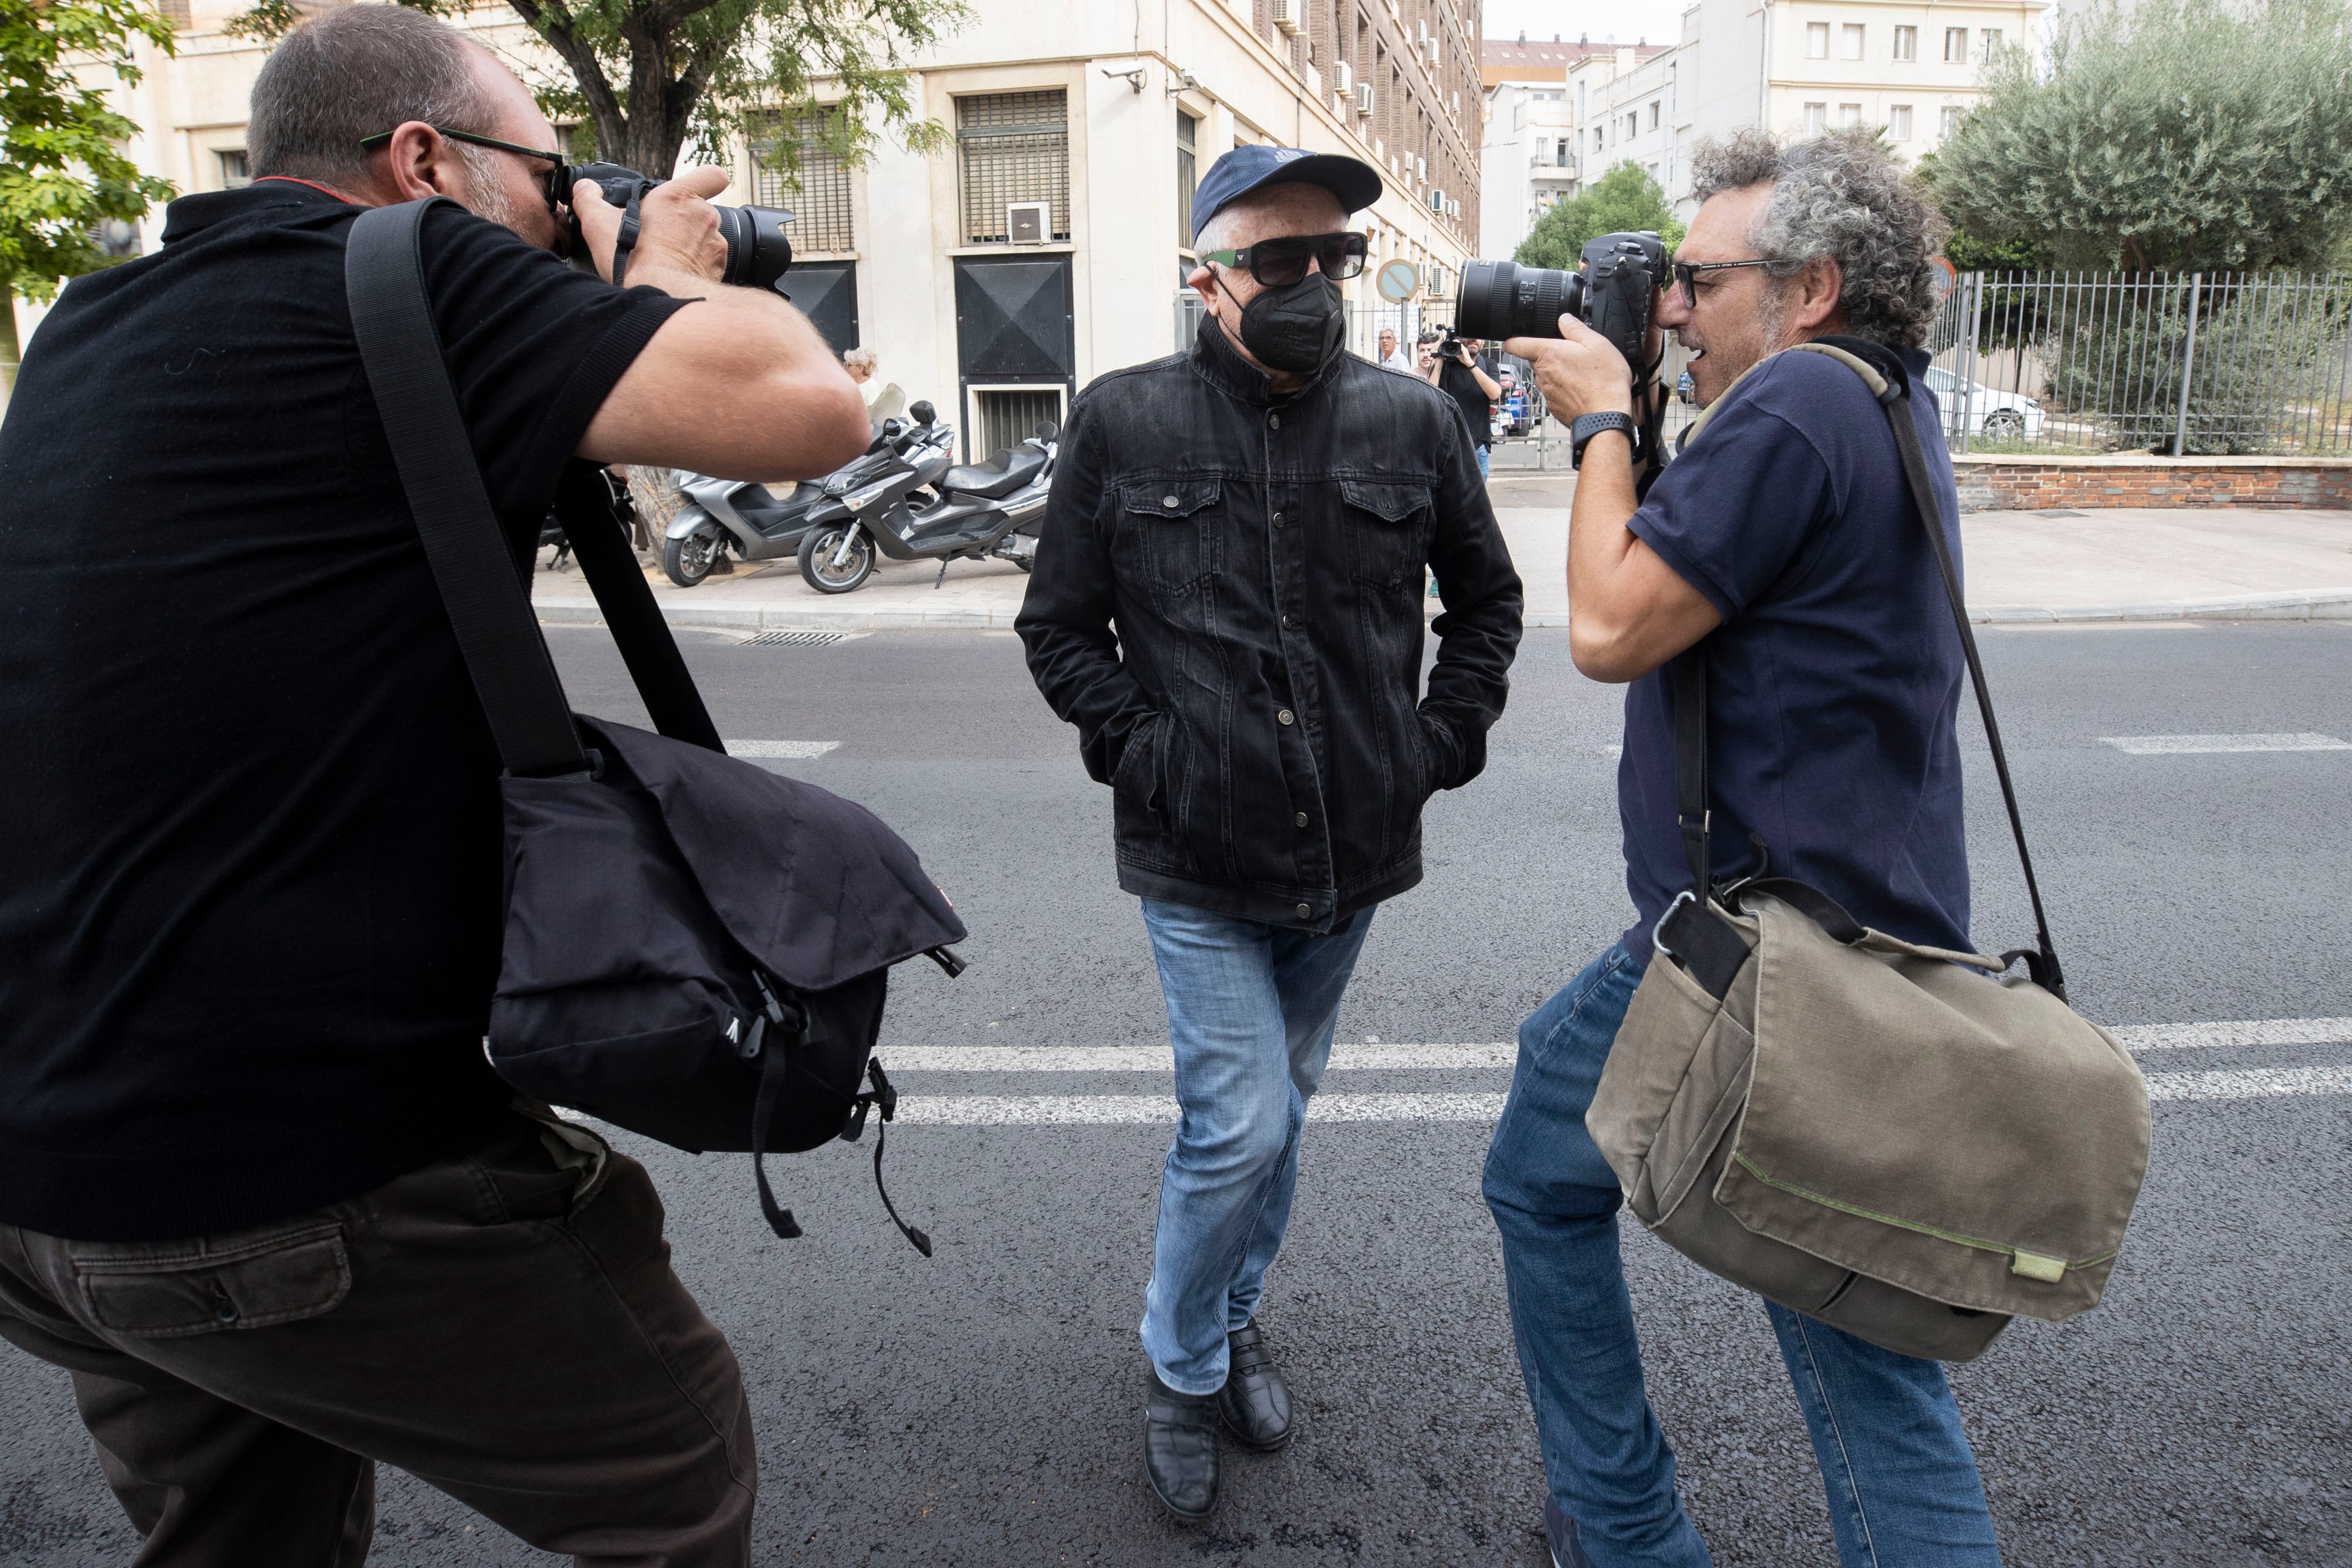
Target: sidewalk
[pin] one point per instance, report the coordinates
(2121, 564)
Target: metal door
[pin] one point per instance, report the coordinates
(826, 293)
(1014, 326)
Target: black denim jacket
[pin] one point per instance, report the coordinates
(1227, 604)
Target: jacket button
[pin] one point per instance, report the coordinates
(1283, 717)
(1278, 519)
(1300, 819)
(1167, 500)
(1274, 421)
(1304, 911)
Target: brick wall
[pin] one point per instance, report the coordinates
(2031, 484)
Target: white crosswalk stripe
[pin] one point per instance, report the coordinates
(801, 750)
(963, 1109)
(2186, 745)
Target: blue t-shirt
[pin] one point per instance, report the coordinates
(1834, 681)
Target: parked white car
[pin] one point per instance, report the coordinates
(1998, 416)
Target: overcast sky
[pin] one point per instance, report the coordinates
(1660, 21)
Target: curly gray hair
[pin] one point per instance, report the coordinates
(1846, 197)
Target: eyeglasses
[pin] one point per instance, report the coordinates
(556, 195)
(1687, 275)
(1276, 263)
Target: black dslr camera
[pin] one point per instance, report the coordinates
(757, 251)
(1611, 294)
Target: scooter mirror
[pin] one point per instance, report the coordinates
(1047, 429)
(923, 413)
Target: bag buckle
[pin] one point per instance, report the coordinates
(1658, 931)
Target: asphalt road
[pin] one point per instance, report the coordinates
(981, 1407)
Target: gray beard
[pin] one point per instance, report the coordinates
(486, 197)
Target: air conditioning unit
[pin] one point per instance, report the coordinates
(1029, 222)
(1437, 201)
(1420, 168)
(1364, 99)
(1286, 16)
(1343, 78)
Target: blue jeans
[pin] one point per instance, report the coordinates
(1250, 1012)
(1484, 454)
(1902, 1482)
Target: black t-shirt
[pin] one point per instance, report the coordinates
(1455, 380)
(250, 838)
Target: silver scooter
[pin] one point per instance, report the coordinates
(981, 511)
(755, 524)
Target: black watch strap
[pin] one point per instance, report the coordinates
(1588, 425)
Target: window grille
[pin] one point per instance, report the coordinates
(1013, 147)
(1008, 418)
(817, 192)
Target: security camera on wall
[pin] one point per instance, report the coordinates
(1028, 223)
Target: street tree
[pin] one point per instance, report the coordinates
(64, 173)
(2190, 134)
(1624, 200)
(650, 78)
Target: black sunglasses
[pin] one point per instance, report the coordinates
(553, 180)
(1687, 275)
(1278, 263)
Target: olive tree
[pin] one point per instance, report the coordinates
(1624, 200)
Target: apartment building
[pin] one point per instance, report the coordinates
(1539, 99)
(1903, 68)
(1049, 243)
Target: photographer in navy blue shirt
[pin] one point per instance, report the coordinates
(259, 1191)
(1785, 536)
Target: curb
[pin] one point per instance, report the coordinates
(2318, 604)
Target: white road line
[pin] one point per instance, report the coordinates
(1345, 1057)
(1160, 1109)
(2255, 1084)
(2249, 1032)
(779, 748)
(2181, 745)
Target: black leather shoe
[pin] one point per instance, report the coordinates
(1254, 1403)
(1179, 1450)
(1559, 1530)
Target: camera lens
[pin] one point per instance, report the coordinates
(1504, 299)
(757, 251)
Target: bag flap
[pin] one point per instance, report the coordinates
(815, 889)
(1926, 1124)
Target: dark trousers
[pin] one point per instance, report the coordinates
(504, 1326)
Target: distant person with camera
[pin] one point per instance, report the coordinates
(1226, 605)
(1455, 367)
(1786, 539)
(260, 1193)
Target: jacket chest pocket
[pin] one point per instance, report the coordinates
(1172, 530)
(1387, 530)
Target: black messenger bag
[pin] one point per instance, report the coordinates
(695, 949)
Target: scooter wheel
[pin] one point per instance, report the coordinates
(819, 547)
(688, 561)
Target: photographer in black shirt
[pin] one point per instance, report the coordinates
(1457, 368)
(258, 1189)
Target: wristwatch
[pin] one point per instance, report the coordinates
(1588, 425)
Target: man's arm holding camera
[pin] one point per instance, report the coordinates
(1629, 612)
(1486, 383)
(738, 385)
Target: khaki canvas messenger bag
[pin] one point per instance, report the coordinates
(1907, 1143)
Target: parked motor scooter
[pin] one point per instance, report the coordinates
(982, 511)
(754, 523)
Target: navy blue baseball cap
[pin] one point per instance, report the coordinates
(1356, 183)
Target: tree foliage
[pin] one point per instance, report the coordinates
(63, 169)
(652, 77)
(1624, 200)
(2175, 133)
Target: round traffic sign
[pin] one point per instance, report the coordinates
(1399, 282)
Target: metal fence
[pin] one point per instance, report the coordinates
(2179, 362)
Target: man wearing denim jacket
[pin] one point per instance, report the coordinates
(1786, 537)
(1227, 604)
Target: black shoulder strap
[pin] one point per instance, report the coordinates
(488, 604)
(1689, 677)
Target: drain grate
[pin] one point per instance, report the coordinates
(795, 639)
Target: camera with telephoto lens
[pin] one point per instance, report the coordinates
(1612, 293)
(757, 251)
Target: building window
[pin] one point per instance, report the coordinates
(1951, 120)
(792, 167)
(1849, 116)
(1013, 147)
(1991, 40)
(1850, 41)
(1955, 46)
(1598, 141)
(1907, 43)
(1186, 127)
(1817, 118)
(1899, 122)
(1654, 114)
(1817, 40)
(235, 171)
